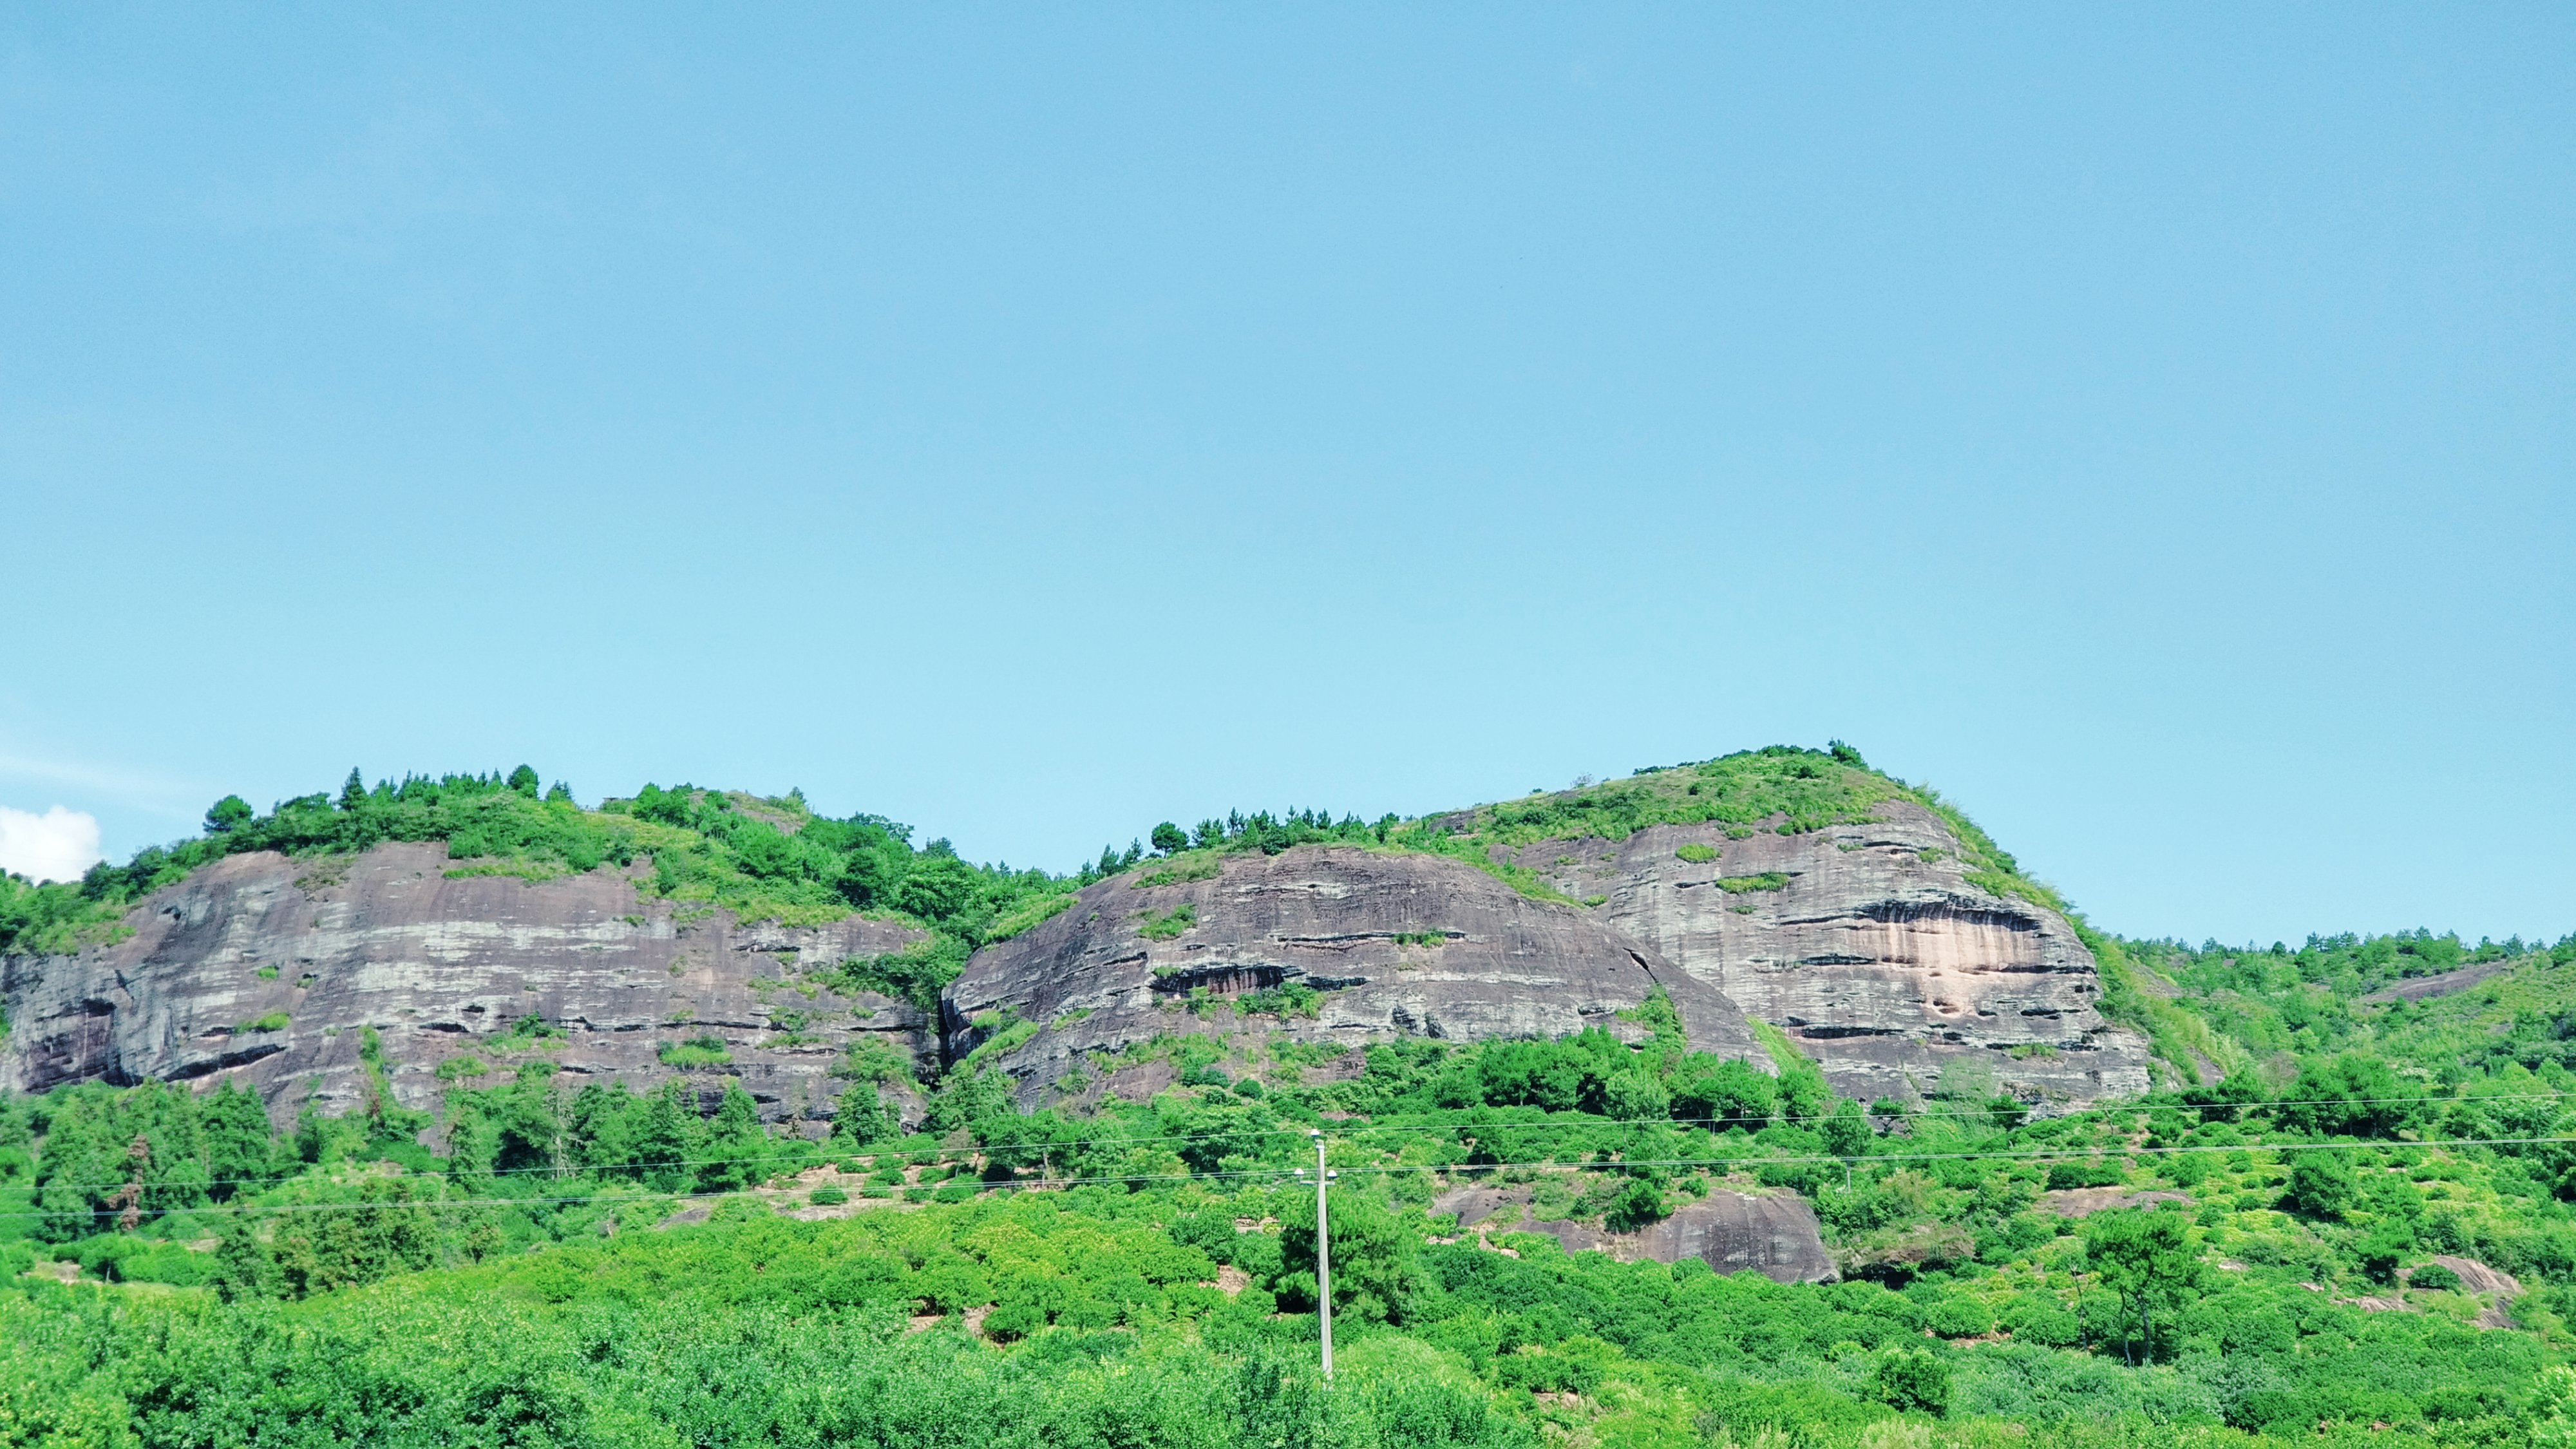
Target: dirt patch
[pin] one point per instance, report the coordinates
(2077, 1202)
(1231, 1280)
(1140, 1082)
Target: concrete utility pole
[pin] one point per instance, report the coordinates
(1323, 1252)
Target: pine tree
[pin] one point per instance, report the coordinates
(239, 1145)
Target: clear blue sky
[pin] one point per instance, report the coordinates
(2154, 429)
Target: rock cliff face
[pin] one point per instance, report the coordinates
(1397, 945)
(1868, 944)
(441, 969)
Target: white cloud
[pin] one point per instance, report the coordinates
(57, 845)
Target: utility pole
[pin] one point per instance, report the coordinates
(1323, 1252)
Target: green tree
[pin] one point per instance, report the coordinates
(228, 813)
(1913, 1380)
(599, 1127)
(1635, 1096)
(2384, 1247)
(387, 1232)
(523, 781)
(2354, 1095)
(240, 1148)
(666, 1138)
(735, 1148)
(1169, 838)
(1730, 1094)
(1638, 1205)
(860, 1119)
(1846, 1130)
(244, 1267)
(2321, 1185)
(1376, 1275)
(2143, 1256)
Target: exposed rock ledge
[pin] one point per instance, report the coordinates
(439, 968)
(1773, 1234)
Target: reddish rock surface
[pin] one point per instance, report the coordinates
(1877, 954)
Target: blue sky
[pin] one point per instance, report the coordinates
(2153, 429)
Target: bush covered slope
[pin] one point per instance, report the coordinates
(2346, 1219)
(223, 1276)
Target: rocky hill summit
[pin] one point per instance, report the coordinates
(1896, 946)
(1871, 947)
(412, 936)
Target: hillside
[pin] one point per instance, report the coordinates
(1755, 1101)
(685, 928)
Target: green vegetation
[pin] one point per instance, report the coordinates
(1169, 924)
(274, 1021)
(1091, 1253)
(761, 859)
(533, 1260)
(1769, 880)
(1780, 788)
(697, 1051)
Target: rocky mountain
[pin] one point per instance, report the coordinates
(1889, 940)
(272, 970)
(1375, 944)
(1869, 944)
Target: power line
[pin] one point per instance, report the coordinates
(1388, 1169)
(915, 1155)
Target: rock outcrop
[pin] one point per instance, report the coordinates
(267, 969)
(1394, 945)
(1870, 946)
(1774, 1234)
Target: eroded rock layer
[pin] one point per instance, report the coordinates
(1870, 946)
(1395, 945)
(442, 969)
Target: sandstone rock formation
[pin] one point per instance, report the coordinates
(1867, 943)
(1874, 951)
(1397, 944)
(440, 968)
(1774, 1234)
